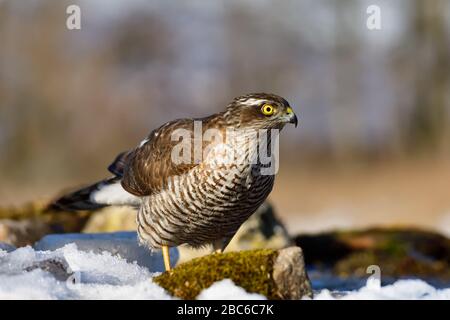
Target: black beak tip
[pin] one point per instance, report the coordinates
(294, 120)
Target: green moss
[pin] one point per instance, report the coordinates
(251, 270)
(58, 221)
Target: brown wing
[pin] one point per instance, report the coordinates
(149, 166)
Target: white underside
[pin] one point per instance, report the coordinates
(114, 194)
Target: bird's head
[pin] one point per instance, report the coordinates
(260, 111)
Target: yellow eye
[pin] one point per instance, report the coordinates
(267, 110)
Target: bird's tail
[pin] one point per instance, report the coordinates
(98, 195)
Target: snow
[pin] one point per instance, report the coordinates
(401, 290)
(26, 273)
(122, 244)
(227, 290)
(95, 276)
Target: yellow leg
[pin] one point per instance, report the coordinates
(220, 245)
(165, 252)
(217, 246)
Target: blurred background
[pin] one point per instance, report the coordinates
(372, 147)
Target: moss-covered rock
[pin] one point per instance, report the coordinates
(398, 252)
(24, 225)
(274, 274)
(391, 265)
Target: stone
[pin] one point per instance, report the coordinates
(289, 274)
(59, 268)
(122, 244)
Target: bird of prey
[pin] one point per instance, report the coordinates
(202, 200)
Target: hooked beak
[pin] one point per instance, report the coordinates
(293, 119)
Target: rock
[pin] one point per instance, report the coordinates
(398, 252)
(6, 247)
(271, 273)
(289, 275)
(262, 230)
(59, 268)
(123, 244)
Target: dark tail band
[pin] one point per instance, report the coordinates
(81, 199)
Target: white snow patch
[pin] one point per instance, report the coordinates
(99, 276)
(227, 290)
(400, 290)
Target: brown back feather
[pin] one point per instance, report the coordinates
(150, 165)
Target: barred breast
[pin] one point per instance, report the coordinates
(203, 206)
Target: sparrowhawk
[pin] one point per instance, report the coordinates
(190, 196)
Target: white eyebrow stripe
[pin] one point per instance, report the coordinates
(143, 142)
(253, 101)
